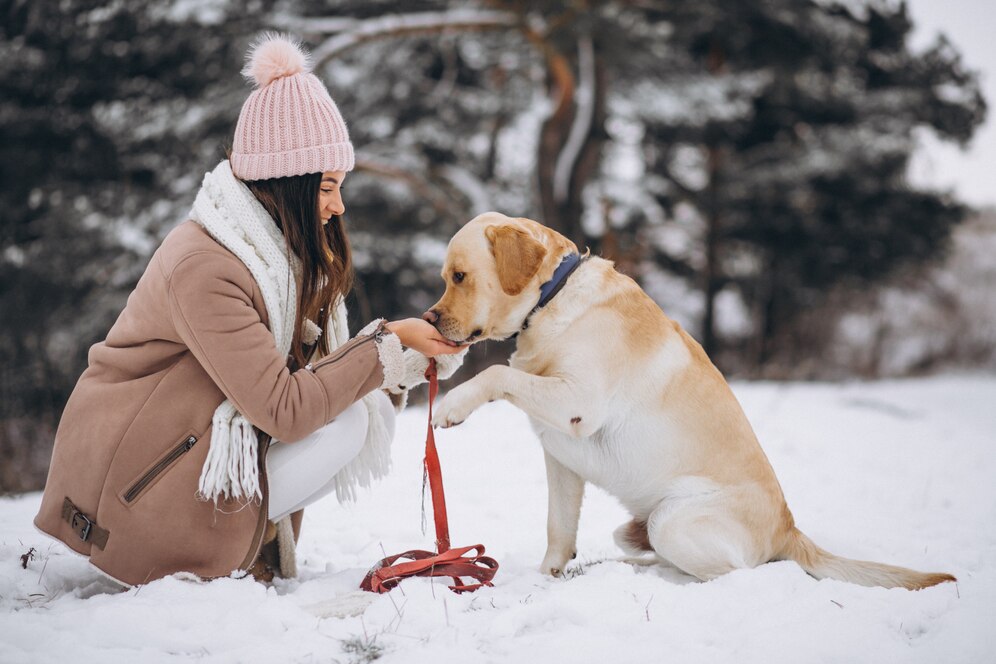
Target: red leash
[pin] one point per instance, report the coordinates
(388, 573)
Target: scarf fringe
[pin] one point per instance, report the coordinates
(374, 460)
(230, 471)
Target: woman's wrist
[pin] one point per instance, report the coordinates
(392, 327)
(404, 330)
(397, 328)
(389, 351)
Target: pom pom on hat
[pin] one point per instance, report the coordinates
(274, 56)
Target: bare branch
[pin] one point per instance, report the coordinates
(398, 25)
(424, 187)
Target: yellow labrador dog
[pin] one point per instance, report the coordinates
(622, 397)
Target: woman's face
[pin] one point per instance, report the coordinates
(330, 195)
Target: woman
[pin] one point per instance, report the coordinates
(166, 458)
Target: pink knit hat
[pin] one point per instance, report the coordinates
(289, 125)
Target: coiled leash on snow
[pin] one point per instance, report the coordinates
(454, 563)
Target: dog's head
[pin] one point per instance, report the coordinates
(494, 268)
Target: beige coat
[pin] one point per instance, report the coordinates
(134, 435)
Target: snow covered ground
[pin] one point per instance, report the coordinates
(901, 472)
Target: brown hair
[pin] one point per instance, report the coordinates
(326, 259)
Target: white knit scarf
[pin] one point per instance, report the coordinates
(230, 213)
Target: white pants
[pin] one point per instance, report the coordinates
(300, 473)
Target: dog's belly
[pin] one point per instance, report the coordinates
(632, 459)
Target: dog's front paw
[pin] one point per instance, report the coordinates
(555, 562)
(457, 405)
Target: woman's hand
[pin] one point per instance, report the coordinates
(419, 335)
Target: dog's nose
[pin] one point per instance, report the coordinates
(431, 316)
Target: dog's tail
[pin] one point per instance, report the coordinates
(823, 564)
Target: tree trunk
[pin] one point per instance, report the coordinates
(589, 161)
(571, 138)
(712, 277)
(768, 323)
(553, 133)
(711, 273)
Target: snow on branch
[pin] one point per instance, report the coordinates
(398, 25)
(315, 26)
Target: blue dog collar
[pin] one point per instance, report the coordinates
(559, 278)
(548, 290)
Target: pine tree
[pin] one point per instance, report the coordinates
(755, 150)
(105, 112)
(799, 154)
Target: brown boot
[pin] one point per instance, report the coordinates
(268, 561)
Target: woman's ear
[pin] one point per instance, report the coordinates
(518, 256)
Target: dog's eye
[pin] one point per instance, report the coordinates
(458, 277)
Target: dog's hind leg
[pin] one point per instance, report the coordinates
(566, 490)
(632, 537)
(700, 540)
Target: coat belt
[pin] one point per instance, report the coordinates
(85, 527)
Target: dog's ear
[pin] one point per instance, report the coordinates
(518, 256)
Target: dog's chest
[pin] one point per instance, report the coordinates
(624, 458)
(612, 458)
(590, 457)
(527, 358)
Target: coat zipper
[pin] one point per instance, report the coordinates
(335, 357)
(164, 463)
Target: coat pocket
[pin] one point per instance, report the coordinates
(156, 470)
